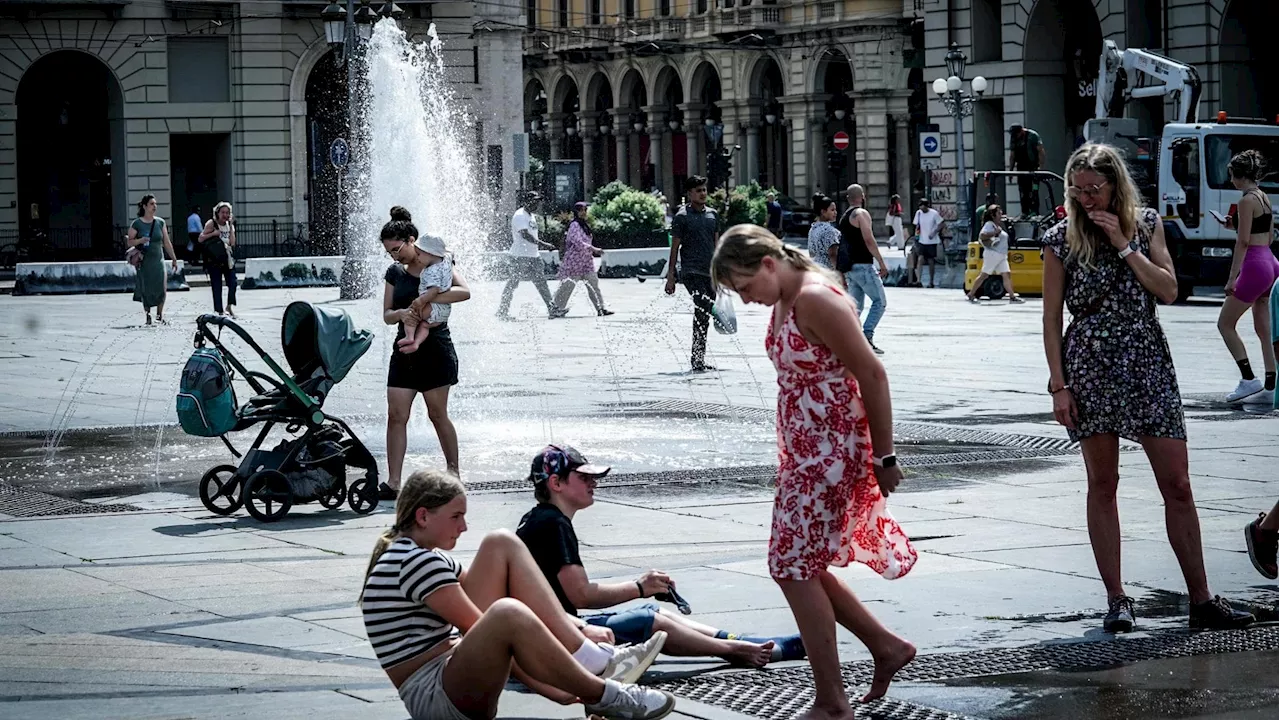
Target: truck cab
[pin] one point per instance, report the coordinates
(1193, 180)
(1183, 175)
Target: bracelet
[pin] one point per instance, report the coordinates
(1064, 387)
(640, 588)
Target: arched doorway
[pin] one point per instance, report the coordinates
(836, 80)
(705, 91)
(326, 121)
(633, 96)
(71, 160)
(1247, 50)
(773, 149)
(1060, 65)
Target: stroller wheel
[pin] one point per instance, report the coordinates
(362, 496)
(220, 490)
(267, 495)
(335, 498)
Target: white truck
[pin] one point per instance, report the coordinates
(1183, 171)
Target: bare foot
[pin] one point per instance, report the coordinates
(745, 654)
(817, 713)
(887, 666)
(407, 346)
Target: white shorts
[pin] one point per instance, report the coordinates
(423, 693)
(995, 263)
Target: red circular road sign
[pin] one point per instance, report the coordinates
(841, 140)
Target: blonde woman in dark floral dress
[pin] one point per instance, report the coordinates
(1111, 375)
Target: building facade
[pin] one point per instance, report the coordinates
(102, 101)
(641, 90)
(1040, 58)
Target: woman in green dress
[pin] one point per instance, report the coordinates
(151, 283)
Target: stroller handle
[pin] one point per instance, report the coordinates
(203, 333)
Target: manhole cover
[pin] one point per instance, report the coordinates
(20, 502)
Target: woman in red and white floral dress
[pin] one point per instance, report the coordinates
(835, 423)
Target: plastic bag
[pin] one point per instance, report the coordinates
(725, 320)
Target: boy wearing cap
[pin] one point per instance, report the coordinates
(564, 482)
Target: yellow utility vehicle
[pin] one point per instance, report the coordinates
(1026, 256)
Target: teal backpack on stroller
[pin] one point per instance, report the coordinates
(206, 400)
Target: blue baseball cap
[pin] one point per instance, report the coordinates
(561, 460)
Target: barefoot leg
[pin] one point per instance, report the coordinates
(685, 641)
(890, 652)
(817, 623)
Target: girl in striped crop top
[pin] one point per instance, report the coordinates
(416, 594)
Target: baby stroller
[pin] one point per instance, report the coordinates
(320, 346)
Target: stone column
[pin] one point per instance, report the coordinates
(817, 127)
(872, 111)
(657, 128)
(751, 163)
(636, 163)
(798, 164)
(588, 162)
(693, 134)
(554, 123)
(621, 129)
(902, 127)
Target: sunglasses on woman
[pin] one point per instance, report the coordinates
(1076, 192)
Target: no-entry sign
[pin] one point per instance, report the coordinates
(840, 141)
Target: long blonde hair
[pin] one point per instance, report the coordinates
(743, 247)
(1083, 236)
(428, 489)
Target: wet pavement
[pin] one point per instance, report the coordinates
(153, 607)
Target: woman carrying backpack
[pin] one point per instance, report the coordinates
(218, 238)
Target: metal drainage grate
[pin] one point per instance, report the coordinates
(776, 703)
(905, 431)
(1072, 656)
(20, 502)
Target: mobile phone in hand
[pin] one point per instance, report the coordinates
(1217, 216)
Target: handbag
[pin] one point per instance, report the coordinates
(134, 255)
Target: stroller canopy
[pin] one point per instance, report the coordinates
(319, 336)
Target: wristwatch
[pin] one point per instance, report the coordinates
(1133, 247)
(886, 461)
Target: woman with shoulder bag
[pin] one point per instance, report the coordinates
(218, 239)
(148, 239)
(1111, 375)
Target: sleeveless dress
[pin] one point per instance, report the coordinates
(1115, 356)
(828, 509)
(150, 282)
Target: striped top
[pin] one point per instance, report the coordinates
(396, 619)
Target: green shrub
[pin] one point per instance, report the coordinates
(622, 217)
(294, 271)
(607, 193)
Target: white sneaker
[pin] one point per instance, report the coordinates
(632, 702)
(630, 662)
(1244, 390)
(1260, 399)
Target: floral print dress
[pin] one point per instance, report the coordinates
(828, 509)
(577, 262)
(1115, 356)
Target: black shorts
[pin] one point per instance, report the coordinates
(929, 252)
(434, 365)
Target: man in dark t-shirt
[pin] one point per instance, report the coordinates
(563, 484)
(1026, 153)
(773, 214)
(695, 230)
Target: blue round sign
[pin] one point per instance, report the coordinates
(931, 144)
(339, 153)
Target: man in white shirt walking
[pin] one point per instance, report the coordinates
(526, 262)
(929, 229)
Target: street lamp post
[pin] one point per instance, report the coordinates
(959, 104)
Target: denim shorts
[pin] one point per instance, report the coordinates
(631, 626)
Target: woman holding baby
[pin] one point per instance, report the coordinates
(420, 286)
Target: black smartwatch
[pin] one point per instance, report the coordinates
(887, 461)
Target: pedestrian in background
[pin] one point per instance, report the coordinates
(216, 243)
(1026, 154)
(893, 223)
(194, 226)
(773, 214)
(526, 257)
(995, 254)
(1111, 375)
(928, 224)
(578, 265)
(150, 235)
(858, 251)
(695, 232)
(824, 238)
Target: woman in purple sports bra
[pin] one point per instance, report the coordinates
(1253, 271)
